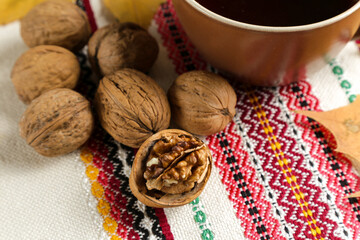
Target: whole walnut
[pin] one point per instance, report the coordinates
(43, 68)
(56, 22)
(131, 106)
(122, 45)
(202, 102)
(171, 168)
(57, 122)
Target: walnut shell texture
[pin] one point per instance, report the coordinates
(202, 102)
(43, 68)
(56, 22)
(173, 198)
(131, 106)
(122, 45)
(57, 122)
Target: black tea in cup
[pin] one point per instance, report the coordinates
(278, 12)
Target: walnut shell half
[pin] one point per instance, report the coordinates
(202, 102)
(131, 106)
(56, 22)
(57, 122)
(122, 45)
(170, 169)
(43, 68)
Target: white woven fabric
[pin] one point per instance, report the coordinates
(50, 198)
(40, 198)
(325, 84)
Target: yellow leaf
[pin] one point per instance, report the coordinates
(138, 11)
(11, 10)
(344, 124)
(354, 195)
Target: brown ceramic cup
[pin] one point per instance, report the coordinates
(262, 55)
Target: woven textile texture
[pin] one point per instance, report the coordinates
(275, 174)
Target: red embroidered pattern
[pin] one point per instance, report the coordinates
(165, 227)
(116, 204)
(186, 58)
(333, 165)
(180, 50)
(307, 195)
(111, 187)
(90, 15)
(296, 195)
(242, 185)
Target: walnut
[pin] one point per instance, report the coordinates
(43, 68)
(131, 106)
(57, 122)
(122, 45)
(170, 169)
(201, 102)
(58, 23)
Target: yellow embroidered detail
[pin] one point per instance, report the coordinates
(86, 156)
(92, 172)
(283, 163)
(273, 146)
(309, 212)
(301, 194)
(103, 207)
(114, 237)
(288, 180)
(97, 190)
(271, 138)
(109, 224)
(305, 214)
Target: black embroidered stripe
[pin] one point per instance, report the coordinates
(88, 88)
(131, 205)
(176, 37)
(331, 158)
(156, 228)
(231, 160)
(242, 185)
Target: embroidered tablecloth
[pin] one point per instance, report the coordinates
(275, 174)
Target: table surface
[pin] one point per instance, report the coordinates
(275, 174)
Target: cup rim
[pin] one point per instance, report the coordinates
(262, 28)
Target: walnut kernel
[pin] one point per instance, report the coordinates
(175, 164)
(170, 169)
